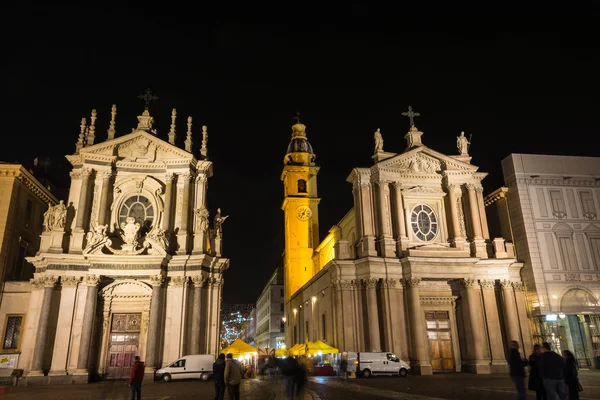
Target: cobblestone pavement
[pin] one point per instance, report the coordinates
(444, 386)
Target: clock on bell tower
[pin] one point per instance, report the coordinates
(300, 206)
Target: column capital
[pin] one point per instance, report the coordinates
(156, 280)
(397, 185)
(519, 286)
(107, 174)
(388, 283)
(342, 284)
(178, 281)
(411, 282)
(85, 172)
(186, 176)
(468, 283)
(369, 283)
(506, 284)
(364, 185)
(92, 280)
(70, 281)
(474, 187)
(37, 283)
(170, 176)
(487, 283)
(199, 281)
(49, 281)
(451, 186)
(201, 178)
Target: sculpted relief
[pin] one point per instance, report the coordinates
(418, 165)
(55, 217)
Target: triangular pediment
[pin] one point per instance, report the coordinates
(136, 146)
(423, 160)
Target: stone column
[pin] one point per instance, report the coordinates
(384, 240)
(82, 208)
(523, 319)
(198, 281)
(478, 248)
(182, 236)
(357, 211)
(91, 281)
(474, 312)
(387, 286)
(496, 343)
(200, 237)
(399, 219)
(41, 339)
(399, 325)
(458, 234)
(104, 206)
(482, 216)
(367, 241)
(349, 327)
(339, 317)
(168, 210)
(420, 347)
(64, 324)
(152, 339)
(373, 314)
(509, 311)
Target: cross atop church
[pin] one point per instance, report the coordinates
(411, 114)
(297, 117)
(148, 97)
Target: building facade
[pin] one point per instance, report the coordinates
(410, 269)
(549, 208)
(128, 265)
(270, 313)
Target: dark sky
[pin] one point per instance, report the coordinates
(518, 81)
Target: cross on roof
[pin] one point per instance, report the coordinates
(148, 97)
(411, 114)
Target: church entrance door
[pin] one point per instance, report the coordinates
(440, 341)
(123, 344)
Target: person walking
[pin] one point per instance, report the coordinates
(135, 379)
(344, 369)
(289, 372)
(233, 377)
(551, 366)
(517, 366)
(570, 373)
(219, 375)
(300, 378)
(536, 383)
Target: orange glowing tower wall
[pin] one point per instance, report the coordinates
(300, 206)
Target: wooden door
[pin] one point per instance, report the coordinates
(123, 345)
(440, 341)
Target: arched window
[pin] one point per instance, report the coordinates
(301, 186)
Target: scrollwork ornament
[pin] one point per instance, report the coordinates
(505, 284)
(92, 280)
(178, 281)
(50, 281)
(412, 282)
(370, 283)
(198, 281)
(387, 283)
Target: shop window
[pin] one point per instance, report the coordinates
(12, 332)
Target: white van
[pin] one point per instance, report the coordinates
(197, 366)
(368, 364)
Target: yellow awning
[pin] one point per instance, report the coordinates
(324, 348)
(239, 348)
(281, 352)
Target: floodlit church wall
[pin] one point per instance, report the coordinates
(15, 301)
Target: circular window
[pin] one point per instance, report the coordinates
(424, 223)
(140, 208)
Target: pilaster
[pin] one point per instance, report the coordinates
(81, 215)
(399, 220)
(478, 246)
(373, 314)
(456, 216)
(492, 320)
(474, 312)
(63, 329)
(420, 358)
(385, 241)
(184, 210)
(366, 244)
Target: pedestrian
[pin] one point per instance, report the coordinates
(343, 369)
(517, 366)
(300, 379)
(551, 366)
(233, 377)
(571, 378)
(288, 370)
(135, 379)
(536, 383)
(219, 375)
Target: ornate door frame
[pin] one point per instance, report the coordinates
(124, 297)
(445, 303)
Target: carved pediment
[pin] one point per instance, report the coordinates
(423, 189)
(415, 163)
(139, 146)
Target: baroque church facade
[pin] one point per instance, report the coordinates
(129, 265)
(410, 269)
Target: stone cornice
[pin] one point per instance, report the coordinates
(590, 182)
(21, 174)
(449, 301)
(496, 195)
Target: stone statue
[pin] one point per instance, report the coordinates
(55, 217)
(218, 223)
(378, 141)
(49, 218)
(158, 240)
(96, 240)
(202, 222)
(462, 143)
(130, 233)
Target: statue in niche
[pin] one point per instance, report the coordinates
(378, 141)
(218, 223)
(462, 143)
(202, 222)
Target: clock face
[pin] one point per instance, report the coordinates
(424, 223)
(303, 213)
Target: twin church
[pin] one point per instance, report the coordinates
(410, 269)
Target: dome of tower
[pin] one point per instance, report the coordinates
(299, 145)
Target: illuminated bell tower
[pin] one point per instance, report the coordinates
(300, 206)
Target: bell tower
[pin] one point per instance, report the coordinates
(300, 206)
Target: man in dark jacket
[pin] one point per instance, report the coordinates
(517, 366)
(219, 375)
(551, 370)
(135, 379)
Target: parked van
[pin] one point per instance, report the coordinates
(368, 364)
(197, 366)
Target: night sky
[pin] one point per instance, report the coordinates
(530, 86)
